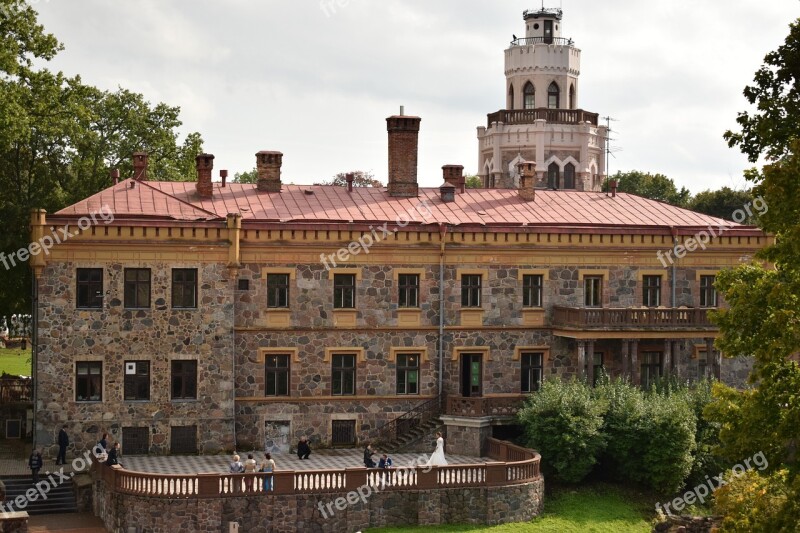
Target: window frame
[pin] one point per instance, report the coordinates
(554, 176)
(569, 176)
(279, 372)
(136, 283)
(647, 378)
(650, 291)
(598, 369)
(340, 371)
(183, 284)
(528, 104)
(597, 296)
(402, 370)
(527, 370)
(90, 383)
(89, 285)
(340, 290)
(406, 290)
(470, 291)
(708, 290)
(280, 288)
(135, 380)
(553, 96)
(183, 374)
(532, 293)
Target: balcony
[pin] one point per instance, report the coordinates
(478, 406)
(633, 318)
(552, 116)
(527, 41)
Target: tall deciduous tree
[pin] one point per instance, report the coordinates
(653, 186)
(721, 203)
(361, 178)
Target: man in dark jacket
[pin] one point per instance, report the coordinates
(113, 455)
(63, 442)
(303, 449)
(368, 453)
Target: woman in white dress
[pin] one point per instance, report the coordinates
(437, 458)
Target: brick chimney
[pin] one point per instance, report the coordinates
(349, 178)
(268, 165)
(140, 166)
(403, 136)
(204, 164)
(527, 178)
(454, 174)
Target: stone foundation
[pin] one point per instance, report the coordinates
(467, 436)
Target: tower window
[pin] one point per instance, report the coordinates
(554, 176)
(569, 176)
(511, 97)
(572, 97)
(529, 96)
(553, 94)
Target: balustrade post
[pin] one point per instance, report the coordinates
(355, 477)
(496, 473)
(283, 481)
(208, 485)
(427, 477)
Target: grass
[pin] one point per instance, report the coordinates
(597, 508)
(15, 361)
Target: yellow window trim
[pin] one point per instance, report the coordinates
(261, 357)
(396, 272)
(473, 271)
(483, 350)
(533, 272)
(544, 350)
(361, 354)
(270, 270)
(593, 272)
(333, 271)
(394, 350)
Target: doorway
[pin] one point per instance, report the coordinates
(471, 374)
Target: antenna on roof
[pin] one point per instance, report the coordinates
(608, 120)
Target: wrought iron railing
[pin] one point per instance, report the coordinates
(553, 116)
(14, 389)
(526, 41)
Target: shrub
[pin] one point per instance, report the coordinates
(563, 422)
(621, 428)
(758, 502)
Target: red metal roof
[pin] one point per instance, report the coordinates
(326, 204)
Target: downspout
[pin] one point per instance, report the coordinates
(674, 244)
(234, 225)
(442, 234)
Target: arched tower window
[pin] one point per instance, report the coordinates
(553, 95)
(553, 176)
(529, 96)
(511, 96)
(572, 96)
(569, 176)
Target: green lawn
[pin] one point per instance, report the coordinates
(16, 362)
(598, 508)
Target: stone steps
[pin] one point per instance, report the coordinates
(58, 499)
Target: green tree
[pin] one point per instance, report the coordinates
(251, 176)
(59, 138)
(721, 203)
(653, 186)
(770, 129)
(361, 178)
(474, 182)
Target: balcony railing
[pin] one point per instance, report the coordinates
(552, 116)
(613, 318)
(526, 41)
(484, 406)
(13, 389)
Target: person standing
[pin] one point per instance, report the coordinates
(437, 457)
(249, 471)
(236, 465)
(113, 455)
(303, 449)
(63, 442)
(35, 464)
(368, 453)
(268, 466)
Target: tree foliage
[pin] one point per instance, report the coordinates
(653, 186)
(721, 203)
(771, 128)
(251, 176)
(361, 178)
(473, 182)
(60, 137)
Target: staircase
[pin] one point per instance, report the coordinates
(59, 499)
(409, 428)
(413, 436)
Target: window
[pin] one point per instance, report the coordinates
(702, 364)
(708, 294)
(572, 97)
(569, 176)
(554, 176)
(599, 368)
(277, 290)
(532, 364)
(471, 290)
(344, 291)
(651, 291)
(89, 294)
(531, 290)
(408, 285)
(407, 373)
(511, 97)
(344, 375)
(553, 96)
(529, 96)
(651, 368)
(184, 287)
(137, 380)
(593, 291)
(89, 381)
(137, 288)
(184, 380)
(276, 382)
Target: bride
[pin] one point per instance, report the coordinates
(437, 458)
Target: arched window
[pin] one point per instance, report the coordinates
(572, 97)
(553, 96)
(569, 176)
(511, 97)
(529, 96)
(553, 176)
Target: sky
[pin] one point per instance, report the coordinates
(316, 79)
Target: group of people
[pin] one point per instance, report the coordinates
(101, 450)
(437, 457)
(251, 466)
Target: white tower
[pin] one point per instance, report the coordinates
(542, 121)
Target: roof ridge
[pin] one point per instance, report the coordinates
(216, 215)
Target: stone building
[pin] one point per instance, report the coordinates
(207, 316)
(542, 121)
